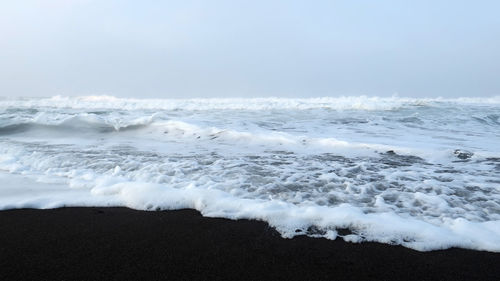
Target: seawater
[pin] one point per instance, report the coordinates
(422, 173)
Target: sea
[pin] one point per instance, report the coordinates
(421, 173)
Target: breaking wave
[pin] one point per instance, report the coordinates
(337, 103)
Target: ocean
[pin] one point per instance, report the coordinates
(422, 173)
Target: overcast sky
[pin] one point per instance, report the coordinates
(249, 48)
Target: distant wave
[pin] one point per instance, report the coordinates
(332, 103)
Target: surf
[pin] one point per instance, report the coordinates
(422, 173)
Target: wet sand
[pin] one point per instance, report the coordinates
(124, 244)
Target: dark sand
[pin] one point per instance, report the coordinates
(123, 244)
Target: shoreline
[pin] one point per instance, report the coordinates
(116, 243)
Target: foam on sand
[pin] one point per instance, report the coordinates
(422, 173)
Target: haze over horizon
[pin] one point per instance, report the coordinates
(175, 49)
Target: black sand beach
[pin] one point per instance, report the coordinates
(124, 244)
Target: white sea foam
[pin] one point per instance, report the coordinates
(337, 103)
(415, 172)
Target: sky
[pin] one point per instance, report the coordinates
(185, 49)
